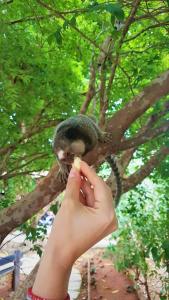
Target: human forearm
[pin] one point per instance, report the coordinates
(53, 275)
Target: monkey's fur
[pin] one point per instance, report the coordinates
(77, 136)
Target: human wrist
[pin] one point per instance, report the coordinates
(61, 253)
(54, 267)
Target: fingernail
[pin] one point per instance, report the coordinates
(73, 173)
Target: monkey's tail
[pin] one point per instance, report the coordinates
(112, 162)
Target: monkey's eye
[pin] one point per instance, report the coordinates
(70, 155)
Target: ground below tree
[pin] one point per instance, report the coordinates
(105, 282)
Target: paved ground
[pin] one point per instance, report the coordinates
(30, 259)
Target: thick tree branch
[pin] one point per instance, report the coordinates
(123, 118)
(107, 45)
(103, 98)
(91, 89)
(144, 137)
(126, 156)
(22, 210)
(145, 170)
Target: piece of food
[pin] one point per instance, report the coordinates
(76, 163)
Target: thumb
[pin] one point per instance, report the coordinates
(73, 184)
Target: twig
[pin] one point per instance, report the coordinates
(144, 137)
(145, 29)
(129, 21)
(153, 14)
(128, 78)
(60, 15)
(27, 135)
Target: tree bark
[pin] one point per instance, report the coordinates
(46, 190)
(145, 170)
(123, 118)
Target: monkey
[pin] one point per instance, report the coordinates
(75, 137)
(118, 25)
(107, 47)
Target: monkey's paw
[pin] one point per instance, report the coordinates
(62, 176)
(107, 138)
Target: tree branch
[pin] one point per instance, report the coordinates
(125, 159)
(14, 172)
(22, 210)
(144, 137)
(30, 132)
(29, 18)
(147, 28)
(145, 170)
(128, 78)
(129, 21)
(7, 2)
(91, 89)
(61, 16)
(152, 14)
(107, 45)
(136, 107)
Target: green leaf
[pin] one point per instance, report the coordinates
(73, 21)
(165, 246)
(50, 39)
(112, 19)
(94, 7)
(154, 252)
(167, 2)
(66, 24)
(58, 36)
(109, 8)
(116, 10)
(113, 9)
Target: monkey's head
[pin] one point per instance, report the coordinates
(67, 149)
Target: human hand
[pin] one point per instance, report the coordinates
(85, 217)
(86, 214)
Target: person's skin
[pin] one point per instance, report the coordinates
(85, 217)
